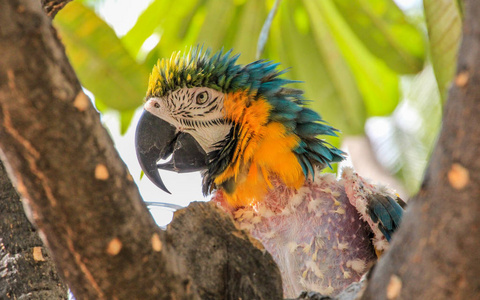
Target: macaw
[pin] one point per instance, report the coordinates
(260, 153)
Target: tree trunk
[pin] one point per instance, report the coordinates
(26, 268)
(436, 252)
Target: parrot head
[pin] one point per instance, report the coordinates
(238, 124)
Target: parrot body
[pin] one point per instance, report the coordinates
(316, 234)
(259, 151)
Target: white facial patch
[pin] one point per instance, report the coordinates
(197, 111)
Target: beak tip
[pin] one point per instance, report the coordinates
(153, 175)
(164, 188)
(150, 148)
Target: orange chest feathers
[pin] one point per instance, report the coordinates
(264, 150)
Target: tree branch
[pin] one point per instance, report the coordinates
(27, 267)
(226, 263)
(64, 165)
(435, 253)
(52, 7)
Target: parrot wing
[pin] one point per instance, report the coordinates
(380, 208)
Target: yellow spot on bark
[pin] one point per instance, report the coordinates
(114, 247)
(394, 287)
(101, 172)
(81, 101)
(37, 254)
(129, 177)
(156, 243)
(458, 176)
(462, 79)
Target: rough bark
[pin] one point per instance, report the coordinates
(218, 254)
(26, 268)
(435, 254)
(64, 165)
(52, 7)
(83, 200)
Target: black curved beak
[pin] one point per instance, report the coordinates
(157, 139)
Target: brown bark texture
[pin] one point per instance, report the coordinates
(65, 167)
(225, 263)
(52, 7)
(26, 268)
(84, 202)
(436, 252)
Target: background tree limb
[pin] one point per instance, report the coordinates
(435, 253)
(26, 268)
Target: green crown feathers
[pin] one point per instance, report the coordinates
(218, 71)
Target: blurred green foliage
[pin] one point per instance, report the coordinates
(444, 31)
(350, 54)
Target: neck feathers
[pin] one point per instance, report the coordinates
(272, 138)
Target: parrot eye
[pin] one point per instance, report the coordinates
(156, 105)
(202, 97)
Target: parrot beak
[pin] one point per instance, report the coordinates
(157, 139)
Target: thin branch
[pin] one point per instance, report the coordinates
(263, 37)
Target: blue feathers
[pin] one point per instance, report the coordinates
(313, 129)
(305, 123)
(386, 211)
(308, 115)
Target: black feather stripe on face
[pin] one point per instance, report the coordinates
(220, 158)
